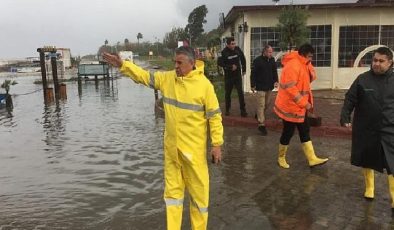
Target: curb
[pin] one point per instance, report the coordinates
(276, 125)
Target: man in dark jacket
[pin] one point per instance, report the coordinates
(234, 65)
(371, 96)
(264, 78)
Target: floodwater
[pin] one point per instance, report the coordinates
(94, 161)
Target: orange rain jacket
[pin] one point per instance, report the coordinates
(294, 88)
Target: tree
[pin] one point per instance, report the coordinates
(292, 27)
(106, 42)
(171, 39)
(127, 46)
(139, 36)
(195, 26)
(7, 84)
(212, 38)
(8, 100)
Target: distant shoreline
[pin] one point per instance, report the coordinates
(67, 73)
(14, 74)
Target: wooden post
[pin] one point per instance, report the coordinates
(49, 95)
(54, 74)
(79, 87)
(43, 71)
(96, 81)
(63, 91)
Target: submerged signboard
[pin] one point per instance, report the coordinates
(92, 69)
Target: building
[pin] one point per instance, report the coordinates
(343, 34)
(65, 57)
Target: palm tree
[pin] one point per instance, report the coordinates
(126, 44)
(6, 85)
(139, 36)
(106, 42)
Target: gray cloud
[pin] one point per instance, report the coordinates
(83, 25)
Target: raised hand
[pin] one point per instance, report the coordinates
(111, 59)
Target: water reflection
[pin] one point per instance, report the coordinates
(108, 88)
(53, 124)
(6, 117)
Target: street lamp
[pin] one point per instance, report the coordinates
(243, 27)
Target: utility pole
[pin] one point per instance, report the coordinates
(157, 45)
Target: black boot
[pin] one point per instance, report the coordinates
(262, 130)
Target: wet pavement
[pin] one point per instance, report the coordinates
(250, 191)
(328, 105)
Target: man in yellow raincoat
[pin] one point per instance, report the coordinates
(190, 107)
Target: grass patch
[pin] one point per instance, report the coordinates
(165, 63)
(218, 84)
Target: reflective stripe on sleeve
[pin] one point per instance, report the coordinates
(182, 105)
(212, 113)
(173, 202)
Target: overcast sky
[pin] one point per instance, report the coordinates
(83, 25)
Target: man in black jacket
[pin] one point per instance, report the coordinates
(264, 78)
(234, 65)
(371, 96)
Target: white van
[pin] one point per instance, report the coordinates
(126, 55)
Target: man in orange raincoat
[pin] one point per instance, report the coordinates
(294, 100)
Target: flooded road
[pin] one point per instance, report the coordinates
(95, 161)
(83, 163)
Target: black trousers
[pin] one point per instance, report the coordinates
(288, 131)
(229, 83)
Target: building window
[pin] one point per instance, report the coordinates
(387, 36)
(320, 39)
(353, 40)
(262, 36)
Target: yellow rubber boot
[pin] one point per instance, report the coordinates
(369, 178)
(282, 156)
(391, 187)
(313, 160)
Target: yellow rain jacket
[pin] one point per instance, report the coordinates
(190, 105)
